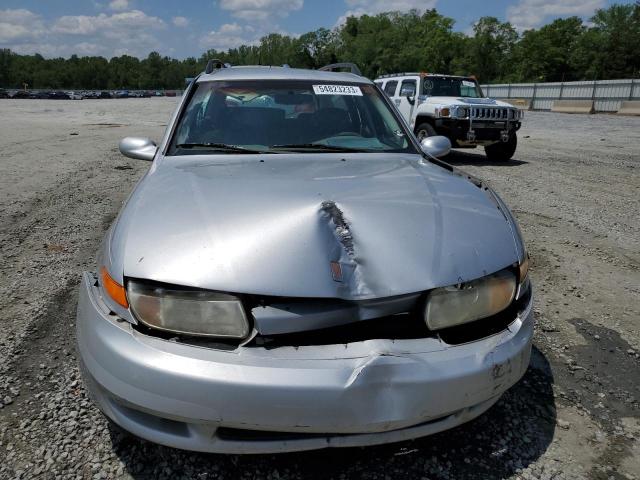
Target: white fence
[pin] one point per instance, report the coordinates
(606, 94)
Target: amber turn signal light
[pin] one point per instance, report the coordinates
(113, 288)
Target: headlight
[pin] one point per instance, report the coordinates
(189, 312)
(445, 112)
(470, 301)
(462, 112)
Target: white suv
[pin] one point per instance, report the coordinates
(434, 104)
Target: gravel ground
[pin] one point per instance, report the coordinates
(574, 186)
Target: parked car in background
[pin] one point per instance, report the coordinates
(58, 95)
(158, 93)
(21, 94)
(121, 94)
(38, 95)
(74, 95)
(296, 271)
(434, 104)
(4, 93)
(104, 94)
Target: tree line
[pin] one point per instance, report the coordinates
(563, 50)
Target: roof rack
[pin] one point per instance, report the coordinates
(422, 74)
(336, 66)
(401, 74)
(215, 64)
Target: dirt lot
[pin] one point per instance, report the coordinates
(574, 186)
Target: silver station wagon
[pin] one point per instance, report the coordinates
(295, 271)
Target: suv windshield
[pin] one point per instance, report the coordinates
(450, 87)
(278, 116)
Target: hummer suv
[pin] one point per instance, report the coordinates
(455, 107)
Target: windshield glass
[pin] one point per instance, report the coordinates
(451, 87)
(278, 116)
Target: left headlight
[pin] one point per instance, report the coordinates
(190, 312)
(466, 302)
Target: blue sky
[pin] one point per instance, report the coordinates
(187, 28)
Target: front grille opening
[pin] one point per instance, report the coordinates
(402, 326)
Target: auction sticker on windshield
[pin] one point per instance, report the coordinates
(337, 90)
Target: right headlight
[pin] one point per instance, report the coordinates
(462, 112)
(466, 302)
(190, 312)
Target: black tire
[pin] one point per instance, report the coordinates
(425, 130)
(502, 151)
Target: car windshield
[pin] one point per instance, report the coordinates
(450, 87)
(276, 116)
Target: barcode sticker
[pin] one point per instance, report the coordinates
(337, 90)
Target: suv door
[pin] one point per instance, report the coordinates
(406, 99)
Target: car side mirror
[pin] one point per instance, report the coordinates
(436, 146)
(411, 99)
(138, 147)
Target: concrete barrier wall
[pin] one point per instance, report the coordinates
(521, 103)
(606, 95)
(631, 107)
(572, 106)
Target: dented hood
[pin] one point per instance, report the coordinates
(273, 224)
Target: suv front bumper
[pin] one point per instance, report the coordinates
(486, 132)
(254, 400)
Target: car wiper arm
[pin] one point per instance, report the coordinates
(219, 146)
(315, 146)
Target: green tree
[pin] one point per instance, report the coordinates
(489, 51)
(609, 49)
(548, 54)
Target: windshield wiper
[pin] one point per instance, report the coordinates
(316, 146)
(223, 147)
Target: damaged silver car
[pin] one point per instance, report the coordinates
(295, 271)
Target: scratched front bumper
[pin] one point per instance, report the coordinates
(362, 393)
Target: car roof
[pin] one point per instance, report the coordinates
(279, 73)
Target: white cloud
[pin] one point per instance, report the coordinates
(229, 35)
(119, 23)
(180, 21)
(20, 25)
(131, 32)
(260, 10)
(357, 8)
(533, 13)
(119, 5)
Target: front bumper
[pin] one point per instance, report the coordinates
(254, 400)
(485, 131)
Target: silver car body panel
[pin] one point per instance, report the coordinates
(361, 393)
(396, 224)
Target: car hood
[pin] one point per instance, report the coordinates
(468, 101)
(310, 225)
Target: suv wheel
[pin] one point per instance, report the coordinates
(502, 151)
(425, 130)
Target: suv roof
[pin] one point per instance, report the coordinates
(421, 74)
(279, 73)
